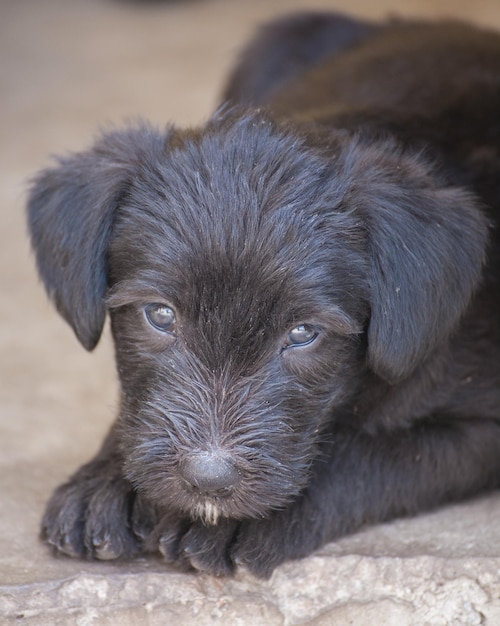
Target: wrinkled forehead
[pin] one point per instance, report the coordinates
(245, 276)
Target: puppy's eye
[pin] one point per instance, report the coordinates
(301, 335)
(160, 316)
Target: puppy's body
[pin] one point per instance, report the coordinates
(303, 296)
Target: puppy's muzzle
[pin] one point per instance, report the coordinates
(209, 472)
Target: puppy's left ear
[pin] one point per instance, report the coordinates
(71, 209)
(426, 247)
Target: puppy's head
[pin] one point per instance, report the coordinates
(251, 281)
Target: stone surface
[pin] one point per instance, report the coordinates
(66, 67)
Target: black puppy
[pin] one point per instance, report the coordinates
(304, 298)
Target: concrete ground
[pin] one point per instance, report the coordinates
(66, 67)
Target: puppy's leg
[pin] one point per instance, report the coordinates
(285, 48)
(370, 479)
(97, 514)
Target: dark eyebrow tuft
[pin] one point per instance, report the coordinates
(133, 290)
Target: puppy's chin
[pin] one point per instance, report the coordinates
(210, 509)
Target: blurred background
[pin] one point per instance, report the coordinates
(68, 67)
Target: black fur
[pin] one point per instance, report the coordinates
(348, 191)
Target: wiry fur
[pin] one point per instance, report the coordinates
(326, 192)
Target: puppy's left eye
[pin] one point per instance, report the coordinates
(301, 335)
(160, 316)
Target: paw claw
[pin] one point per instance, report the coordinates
(168, 545)
(104, 549)
(65, 546)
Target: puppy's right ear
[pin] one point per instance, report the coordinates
(71, 209)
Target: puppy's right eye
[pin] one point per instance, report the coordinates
(160, 316)
(301, 335)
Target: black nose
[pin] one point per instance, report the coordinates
(209, 471)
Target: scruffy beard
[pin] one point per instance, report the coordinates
(208, 513)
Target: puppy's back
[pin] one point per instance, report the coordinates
(344, 64)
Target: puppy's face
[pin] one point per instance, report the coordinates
(236, 307)
(253, 274)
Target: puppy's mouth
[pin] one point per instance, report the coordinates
(210, 508)
(208, 512)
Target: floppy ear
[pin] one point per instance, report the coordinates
(426, 248)
(71, 210)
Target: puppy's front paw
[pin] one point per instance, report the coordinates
(195, 545)
(260, 546)
(257, 545)
(98, 515)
